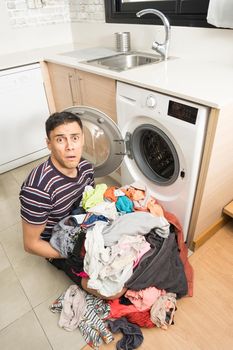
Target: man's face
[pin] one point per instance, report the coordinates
(66, 143)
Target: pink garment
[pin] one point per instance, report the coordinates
(74, 306)
(145, 298)
(141, 253)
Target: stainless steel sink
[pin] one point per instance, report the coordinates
(124, 61)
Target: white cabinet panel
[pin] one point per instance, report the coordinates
(24, 109)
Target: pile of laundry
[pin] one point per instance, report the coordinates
(121, 239)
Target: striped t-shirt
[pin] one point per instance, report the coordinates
(47, 196)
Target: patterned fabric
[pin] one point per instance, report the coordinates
(92, 326)
(57, 305)
(47, 195)
(64, 235)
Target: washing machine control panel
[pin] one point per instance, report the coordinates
(151, 101)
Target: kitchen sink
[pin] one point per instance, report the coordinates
(124, 61)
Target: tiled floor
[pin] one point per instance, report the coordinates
(28, 284)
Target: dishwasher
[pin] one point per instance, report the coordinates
(24, 109)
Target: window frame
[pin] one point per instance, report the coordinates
(116, 12)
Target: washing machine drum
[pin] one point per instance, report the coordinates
(154, 154)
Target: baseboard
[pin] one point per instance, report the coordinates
(208, 233)
(228, 209)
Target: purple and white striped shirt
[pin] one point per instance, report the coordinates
(47, 196)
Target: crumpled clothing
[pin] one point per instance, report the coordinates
(91, 219)
(139, 194)
(64, 235)
(92, 326)
(144, 298)
(74, 306)
(93, 196)
(183, 249)
(108, 209)
(112, 193)
(110, 267)
(132, 334)
(109, 194)
(124, 205)
(90, 319)
(163, 310)
(160, 267)
(57, 305)
(136, 223)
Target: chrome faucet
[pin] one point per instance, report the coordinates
(162, 49)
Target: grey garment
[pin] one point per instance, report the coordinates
(136, 223)
(64, 235)
(160, 267)
(132, 334)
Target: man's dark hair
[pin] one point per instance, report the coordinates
(60, 118)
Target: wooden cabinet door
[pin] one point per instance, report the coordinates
(64, 86)
(98, 92)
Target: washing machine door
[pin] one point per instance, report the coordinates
(103, 145)
(155, 154)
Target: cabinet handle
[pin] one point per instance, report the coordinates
(71, 89)
(80, 88)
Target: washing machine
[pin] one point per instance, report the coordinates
(158, 141)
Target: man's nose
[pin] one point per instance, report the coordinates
(70, 144)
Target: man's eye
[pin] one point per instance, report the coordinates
(75, 138)
(59, 140)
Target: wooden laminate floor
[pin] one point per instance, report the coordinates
(205, 321)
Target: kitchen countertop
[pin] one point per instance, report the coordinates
(204, 82)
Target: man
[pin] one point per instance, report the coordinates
(52, 188)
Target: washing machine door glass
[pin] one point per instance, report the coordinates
(103, 144)
(155, 154)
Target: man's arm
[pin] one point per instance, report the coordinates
(34, 244)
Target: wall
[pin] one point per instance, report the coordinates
(29, 24)
(198, 43)
(64, 21)
(18, 35)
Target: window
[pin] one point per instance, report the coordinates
(179, 12)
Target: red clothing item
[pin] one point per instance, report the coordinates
(141, 318)
(120, 310)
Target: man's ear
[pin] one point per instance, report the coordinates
(48, 144)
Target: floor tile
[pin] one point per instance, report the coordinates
(40, 280)
(24, 334)
(12, 242)
(20, 173)
(9, 200)
(10, 212)
(58, 337)
(8, 186)
(4, 261)
(13, 302)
